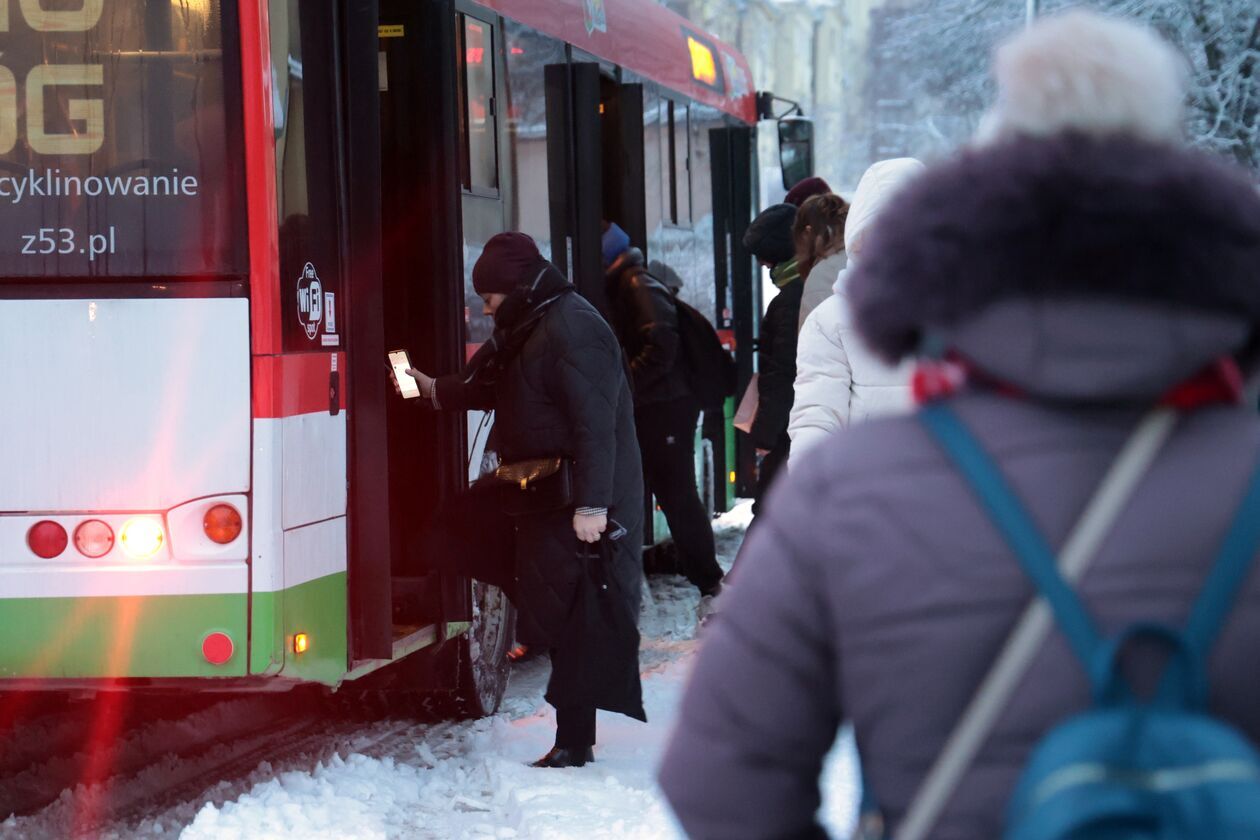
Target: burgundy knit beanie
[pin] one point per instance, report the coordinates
(806, 188)
(509, 260)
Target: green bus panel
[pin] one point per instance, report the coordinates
(124, 636)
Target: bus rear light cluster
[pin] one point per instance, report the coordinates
(141, 538)
(47, 539)
(222, 524)
(94, 538)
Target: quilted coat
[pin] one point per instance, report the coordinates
(563, 392)
(1089, 278)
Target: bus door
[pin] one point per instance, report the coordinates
(733, 151)
(624, 197)
(423, 307)
(575, 172)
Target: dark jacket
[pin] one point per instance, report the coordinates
(877, 591)
(646, 322)
(776, 361)
(562, 391)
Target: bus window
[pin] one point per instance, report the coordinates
(676, 167)
(481, 165)
(681, 143)
(528, 54)
(120, 144)
(304, 104)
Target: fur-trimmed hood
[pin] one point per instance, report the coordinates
(1062, 218)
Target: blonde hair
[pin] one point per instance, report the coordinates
(1086, 72)
(818, 231)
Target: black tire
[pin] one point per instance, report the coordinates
(483, 652)
(471, 670)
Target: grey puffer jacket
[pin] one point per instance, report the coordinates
(877, 591)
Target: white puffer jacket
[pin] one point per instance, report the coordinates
(838, 380)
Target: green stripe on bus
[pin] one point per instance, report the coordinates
(318, 609)
(126, 636)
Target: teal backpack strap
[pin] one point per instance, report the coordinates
(1006, 511)
(1210, 610)
(1233, 563)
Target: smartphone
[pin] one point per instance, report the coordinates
(399, 362)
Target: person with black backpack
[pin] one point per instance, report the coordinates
(1036, 599)
(647, 320)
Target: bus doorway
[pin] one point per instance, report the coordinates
(422, 302)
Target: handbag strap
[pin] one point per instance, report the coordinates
(1029, 635)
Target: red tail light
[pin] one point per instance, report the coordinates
(47, 539)
(94, 538)
(217, 648)
(222, 524)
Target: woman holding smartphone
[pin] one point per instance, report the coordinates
(553, 374)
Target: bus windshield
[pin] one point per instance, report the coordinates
(120, 142)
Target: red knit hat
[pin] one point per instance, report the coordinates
(509, 260)
(806, 188)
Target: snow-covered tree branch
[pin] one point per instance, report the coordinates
(930, 59)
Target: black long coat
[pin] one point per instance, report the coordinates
(776, 361)
(565, 393)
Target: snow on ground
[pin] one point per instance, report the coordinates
(472, 779)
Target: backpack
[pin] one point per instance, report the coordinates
(709, 367)
(1128, 768)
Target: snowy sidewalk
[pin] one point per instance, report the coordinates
(471, 780)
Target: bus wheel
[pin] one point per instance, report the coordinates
(465, 677)
(482, 676)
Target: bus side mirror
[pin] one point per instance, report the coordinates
(796, 149)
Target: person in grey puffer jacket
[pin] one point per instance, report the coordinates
(1083, 266)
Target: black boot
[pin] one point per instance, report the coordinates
(565, 757)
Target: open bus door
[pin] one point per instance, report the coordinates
(417, 635)
(733, 151)
(575, 175)
(403, 261)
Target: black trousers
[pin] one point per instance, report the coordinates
(772, 464)
(667, 441)
(575, 727)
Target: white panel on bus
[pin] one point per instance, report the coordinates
(313, 480)
(314, 551)
(136, 404)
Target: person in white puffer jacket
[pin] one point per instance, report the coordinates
(838, 380)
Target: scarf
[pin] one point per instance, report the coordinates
(1221, 382)
(784, 273)
(514, 323)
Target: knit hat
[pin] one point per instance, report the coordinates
(509, 260)
(806, 188)
(613, 244)
(1089, 73)
(769, 237)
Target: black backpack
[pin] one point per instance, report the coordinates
(709, 367)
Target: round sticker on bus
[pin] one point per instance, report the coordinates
(310, 294)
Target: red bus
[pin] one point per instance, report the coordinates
(218, 216)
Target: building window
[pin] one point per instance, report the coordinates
(478, 120)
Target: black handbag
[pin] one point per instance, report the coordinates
(600, 641)
(540, 485)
